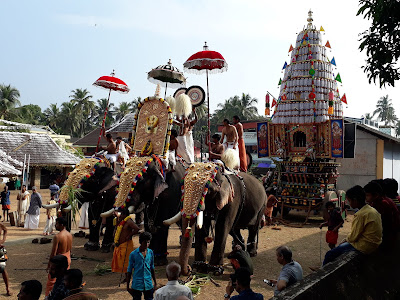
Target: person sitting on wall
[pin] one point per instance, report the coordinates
(366, 230)
(291, 270)
(375, 196)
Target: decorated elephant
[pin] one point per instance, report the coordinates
(92, 176)
(144, 180)
(234, 201)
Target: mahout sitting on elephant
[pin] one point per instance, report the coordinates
(234, 201)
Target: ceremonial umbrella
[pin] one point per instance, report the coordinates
(110, 83)
(204, 62)
(167, 74)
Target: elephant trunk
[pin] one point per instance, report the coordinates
(186, 245)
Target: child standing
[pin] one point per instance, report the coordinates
(51, 217)
(334, 222)
(5, 202)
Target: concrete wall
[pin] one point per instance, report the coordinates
(391, 160)
(351, 276)
(361, 169)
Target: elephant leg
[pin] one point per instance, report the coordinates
(94, 234)
(222, 229)
(159, 245)
(108, 236)
(252, 241)
(237, 238)
(200, 241)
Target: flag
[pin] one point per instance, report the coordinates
(333, 62)
(273, 102)
(291, 48)
(343, 99)
(280, 81)
(284, 66)
(322, 29)
(337, 78)
(328, 44)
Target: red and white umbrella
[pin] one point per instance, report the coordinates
(110, 83)
(204, 62)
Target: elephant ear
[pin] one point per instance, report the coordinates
(160, 185)
(226, 193)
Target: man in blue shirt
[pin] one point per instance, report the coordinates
(141, 261)
(54, 189)
(240, 281)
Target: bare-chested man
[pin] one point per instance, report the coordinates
(3, 258)
(123, 243)
(62, 244)
(242, 147)
(229, 131)
(217, 149)
(111, 149)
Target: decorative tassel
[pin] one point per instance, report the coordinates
(188, 232)
(267, 111)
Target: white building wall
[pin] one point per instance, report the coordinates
(361, 169)
(391, 161)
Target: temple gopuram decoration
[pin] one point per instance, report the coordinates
(306, 129)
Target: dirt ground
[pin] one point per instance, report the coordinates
(28, 261)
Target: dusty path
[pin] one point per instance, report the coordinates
(305, 243)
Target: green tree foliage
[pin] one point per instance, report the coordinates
(382, 40)
(123, 109)
(9, 99)
(28, 114)
(385, 111)
(244, 107)
(52, 115)
(84, 108)
(101, 108)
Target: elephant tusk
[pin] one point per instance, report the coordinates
(67, 209)
(107, 213)
(173, 220)
(131, 209)
(200, 219)
(47, 206)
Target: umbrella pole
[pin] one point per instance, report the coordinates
(208, 121)
(104, 121)
(165, 95)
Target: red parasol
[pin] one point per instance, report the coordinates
(110, 83)
(204, 62)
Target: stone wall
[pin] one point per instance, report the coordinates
(352, 276)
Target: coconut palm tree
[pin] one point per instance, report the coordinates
(123, 109)
(9, 98)
(52, 114)
(398, 129)
(385, 110)
(101, 108)
(368, 116)
(84, 108)
(243, 107)
(69, 118)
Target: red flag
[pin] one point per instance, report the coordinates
(328, 45)
(291, 48)
(273, 102)
(343, 99)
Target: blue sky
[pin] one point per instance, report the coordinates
(52, 47)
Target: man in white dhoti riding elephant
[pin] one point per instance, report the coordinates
(111, 149)
(229, 131)
(185, 138)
